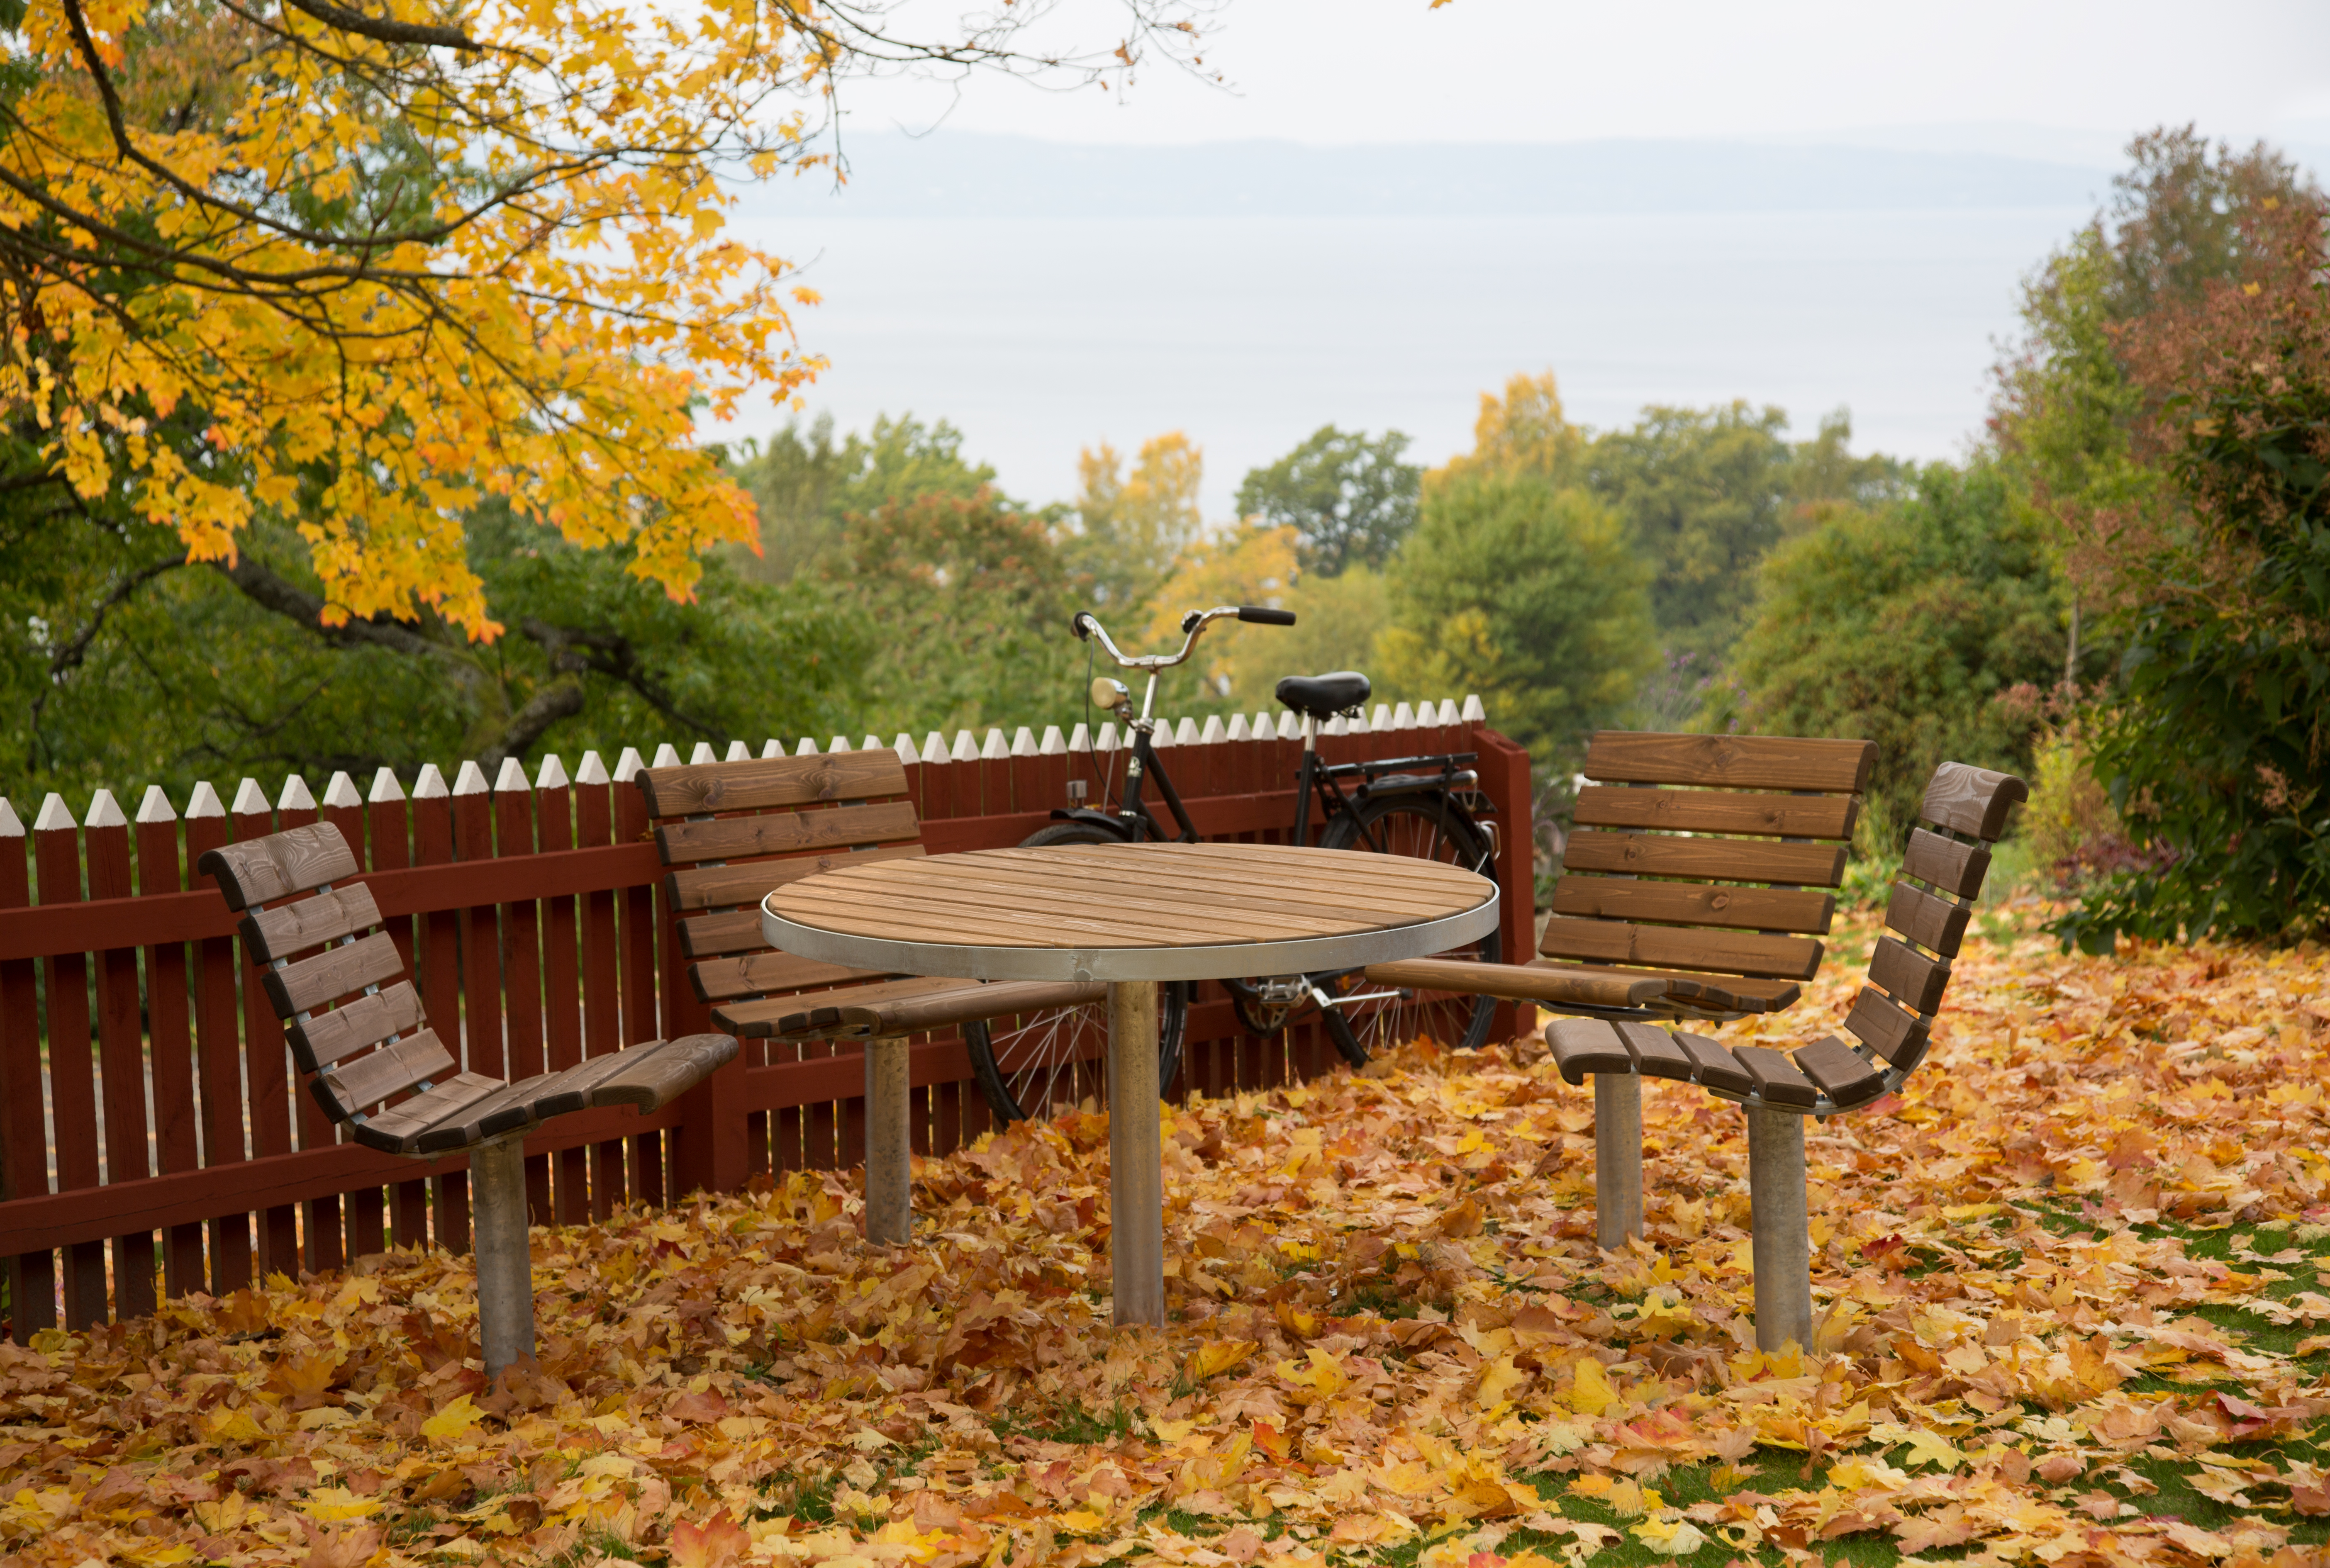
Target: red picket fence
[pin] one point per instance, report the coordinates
(176, 1151)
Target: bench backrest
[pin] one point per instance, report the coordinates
(349, 1010)
(732, 831)
(1708, 855)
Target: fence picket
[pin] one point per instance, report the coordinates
(23, 1130)
(73, 1079)
(388, 822)
(521, 987)
(121, 1049)
(562, 989)
(439, 938)
(601, 1027)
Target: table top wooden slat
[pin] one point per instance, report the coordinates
(1131, 911)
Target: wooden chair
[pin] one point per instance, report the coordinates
(733, 832)
(1890, 1023)
(1695, 886)
(370, 1059)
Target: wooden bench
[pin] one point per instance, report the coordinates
(733, 831)
(1696, 884)
(368, 1056)
(1885, 1035)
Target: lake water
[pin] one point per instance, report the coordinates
(1037, 335)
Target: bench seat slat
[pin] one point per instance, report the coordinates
(398, 1130)
(1754, 909)
(1933, 924)
(719, 886)
(1586, 1045)
(294, 928)
(770, 969)
(1898, 1036)
(1717, 1069)
(760, 783)
(1536, 982)
(334, 973)
(650, 1080)
(1656, 1054)
(1725, 951)
(1733, 762)
(769, 1015)
(1843, 1074)
(1776, 1078)
(347, 1087)
(507, 1109)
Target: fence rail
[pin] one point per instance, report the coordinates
(152, 1139)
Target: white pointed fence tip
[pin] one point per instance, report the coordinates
(155, 806)
(702, 755)
(1053, 743)
(55, 815)
(839, 743)
(1265, 726)
(739, 752)
(250, 799)
(429, 785)
(1159, 738)
(204, 801)
(592, 770)
(1239, 729)
(995, 745)
(666, 755)
(1213, 730)
(471, 779)
(905, 746)
(1080, 739)
(1382, 719)
(1023, 744)
(552, 775)
(1290, 728)
(628, 766)
(104, 811)
(1107, 738)
(1338, 725)
(934, 747)
(966, 747)
(872, 743)
(1403, 717)
(341, 792)
(1474, 713)
(1360, 722)
(384, 787)
(10, 827)
(808, 748)
(295, 796)
(1186, 734)
(1448, 714)
(772, 747)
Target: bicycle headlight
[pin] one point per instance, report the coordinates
(1110, 693)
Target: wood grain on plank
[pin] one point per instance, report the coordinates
(767, 781)
(1133, 895)
(1524, 982)
(349, 1086)
(1734, 762)
(1947, 863)
(1706, 859)
(364, 1021)
(1583, 1046)
(294, 928)
(768, 971)
(1719, 952)
(1843, 1074)
(1656, 1054)
(1913, 978)
(748, 883)
(334, 973)
(1718, 811)
(1968, 799)
(650, 1081)
(398, 1130)
(1682, 903)
(1717, 1067)
(278, 864)
(1898, 1036)
(1087, 873)
(947, 1010)
(1776, 1078)
(1934, 923)
(786, 831)
(763, 1016)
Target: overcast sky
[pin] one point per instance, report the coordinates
(1394, 71)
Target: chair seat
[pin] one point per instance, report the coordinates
(1324, 696)
(1828, 1075)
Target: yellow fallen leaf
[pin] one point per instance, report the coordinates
(1218, 1355)
(453, 1422)
(336, 1505)
(1591, 1394)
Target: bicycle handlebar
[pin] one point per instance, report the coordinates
(1085, 624)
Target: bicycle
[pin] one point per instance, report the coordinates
(1424, 806)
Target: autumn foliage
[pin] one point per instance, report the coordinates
(2068, 1313)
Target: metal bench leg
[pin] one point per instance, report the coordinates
(1783, 1244)
(889, 1148)
(1136, 1175)
(504, 1263)
(1617, 1157)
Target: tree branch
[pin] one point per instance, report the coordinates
(386, 31)
(69, 655)
(606, 653)
(271, 592)
(562, 700)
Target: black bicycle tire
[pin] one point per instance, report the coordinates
(1173, 997)
(1345, 831)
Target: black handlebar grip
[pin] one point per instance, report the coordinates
(1256, 612)
(1076, 624)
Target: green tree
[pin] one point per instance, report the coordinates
(1904, 625)
(1527, 594)
(807, 487)
(1130, 528)
(1349, 498)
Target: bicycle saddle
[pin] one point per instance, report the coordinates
(1324, 696)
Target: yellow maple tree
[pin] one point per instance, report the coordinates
(362, 271)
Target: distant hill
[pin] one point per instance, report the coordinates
(966, 175)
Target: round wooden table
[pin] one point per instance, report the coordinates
(1130, 915)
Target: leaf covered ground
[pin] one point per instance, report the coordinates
(2070, 1313)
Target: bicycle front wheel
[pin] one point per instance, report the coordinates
(1379, 1017)
(1040, 1063)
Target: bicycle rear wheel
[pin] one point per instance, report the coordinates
(1378, 1017)
(1036, 1064)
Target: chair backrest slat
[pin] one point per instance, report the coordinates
(1894, 1032)
(326, 1037)
(1719, 952)
(1764, 909)
(1706, 859)
(1910, 977)
(787, 832)
(346, 1088)
(761, 783)
(1731, 761)
(1714, 811)
(1971, 800)
(262, 870)
(1946, 863)
(294, 928)
(723, 886)
(770, 969)
(334, 973)
(1936, 924)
